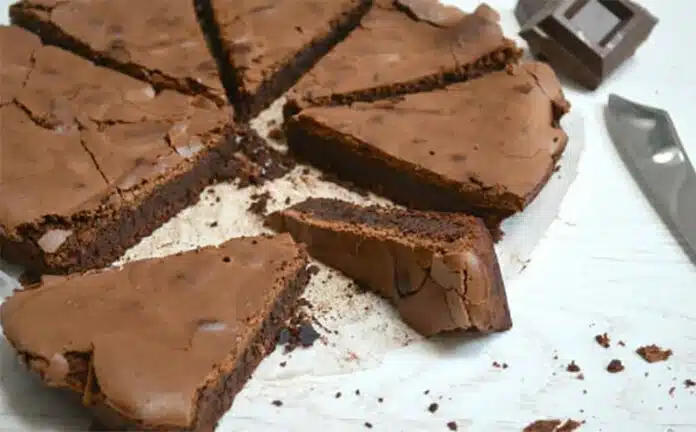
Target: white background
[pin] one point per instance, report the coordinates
(606, 264)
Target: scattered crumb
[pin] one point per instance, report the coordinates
(283, 364)
(553, 425)
(271, 123)
(496, 365)
(555, 357)
(452, 426)
(313, 269)
(259, 203)
(433, 407)
(671, 391)
(505, 365)
(338, 395)
(218, 199)
(380, 400)
(276, 134)
(689, 383)
(368, 425)
(427, 392)
(653, 353)
(580, 376)
(277, 402)
(584, 391)
(621, 343)
(615, 366)
(287, 200)
(572, 367)
(298, 331)
(603, 340)
(357, 392)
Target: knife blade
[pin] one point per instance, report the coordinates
(647, 141)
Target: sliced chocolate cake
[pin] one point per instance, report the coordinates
(159, 42)
(440, 270)
(94, 160)
(406, 46)
(263, 47)
(160, 344)
(484, 147)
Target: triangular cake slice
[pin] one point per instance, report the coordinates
(160, 344)
(263, 47)
(439, 270)
(406, 46)
(484, 147)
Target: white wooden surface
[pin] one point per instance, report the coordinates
(606, 264)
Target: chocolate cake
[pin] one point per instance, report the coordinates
(94, 160)
(439, 270)
(406, 46)
(264, 47)
(160, 344)
(156, 41)
(484, 147)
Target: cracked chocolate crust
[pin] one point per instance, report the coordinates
(99, 235)
(36, 16)
(438, 283)
(215, 396)
(281, 78)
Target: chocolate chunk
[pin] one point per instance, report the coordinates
(603, 340)
(452, 425)
(586, 40)
(572, 367)
(188, 329)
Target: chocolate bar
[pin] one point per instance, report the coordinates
(585, 40)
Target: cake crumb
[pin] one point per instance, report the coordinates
(580, 376)
(298, 331)
(259, 203)
(553, 425)
(357, 392)
(287, 200)
(283, 364)
(368, 425)
(653, 353)
(573, 367)
(427, 392)
(313, 269)
(671, 391)
(689, 383)
(621, 343)
(213, 224)
(452, 426)
(603, 340)
(433, 407)
(380, 400)
(338, 395)
(277, 402)
(615, 366)
(277, 134)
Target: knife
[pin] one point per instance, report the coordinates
(649, 145)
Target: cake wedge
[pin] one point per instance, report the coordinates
(402, 47)
(160, 344)
(484, 147)
(439, 270)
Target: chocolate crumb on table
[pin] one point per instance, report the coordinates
(109, 158)
(615, 366)
(671, 391)
(452, 425)
(573, 367)
(433, 407)
(553, 425)
(621, 343)
(653, 353)
(189, 328)
(338, 395)
(277, 402)
(259, 203)
(368, 425)
(298, 332)
(689, 383)
(603, 340)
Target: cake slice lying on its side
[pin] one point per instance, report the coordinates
(160, 344)
(263, 47)
(439, 270)
(94, 160)
(484, 147)
(406, 46)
